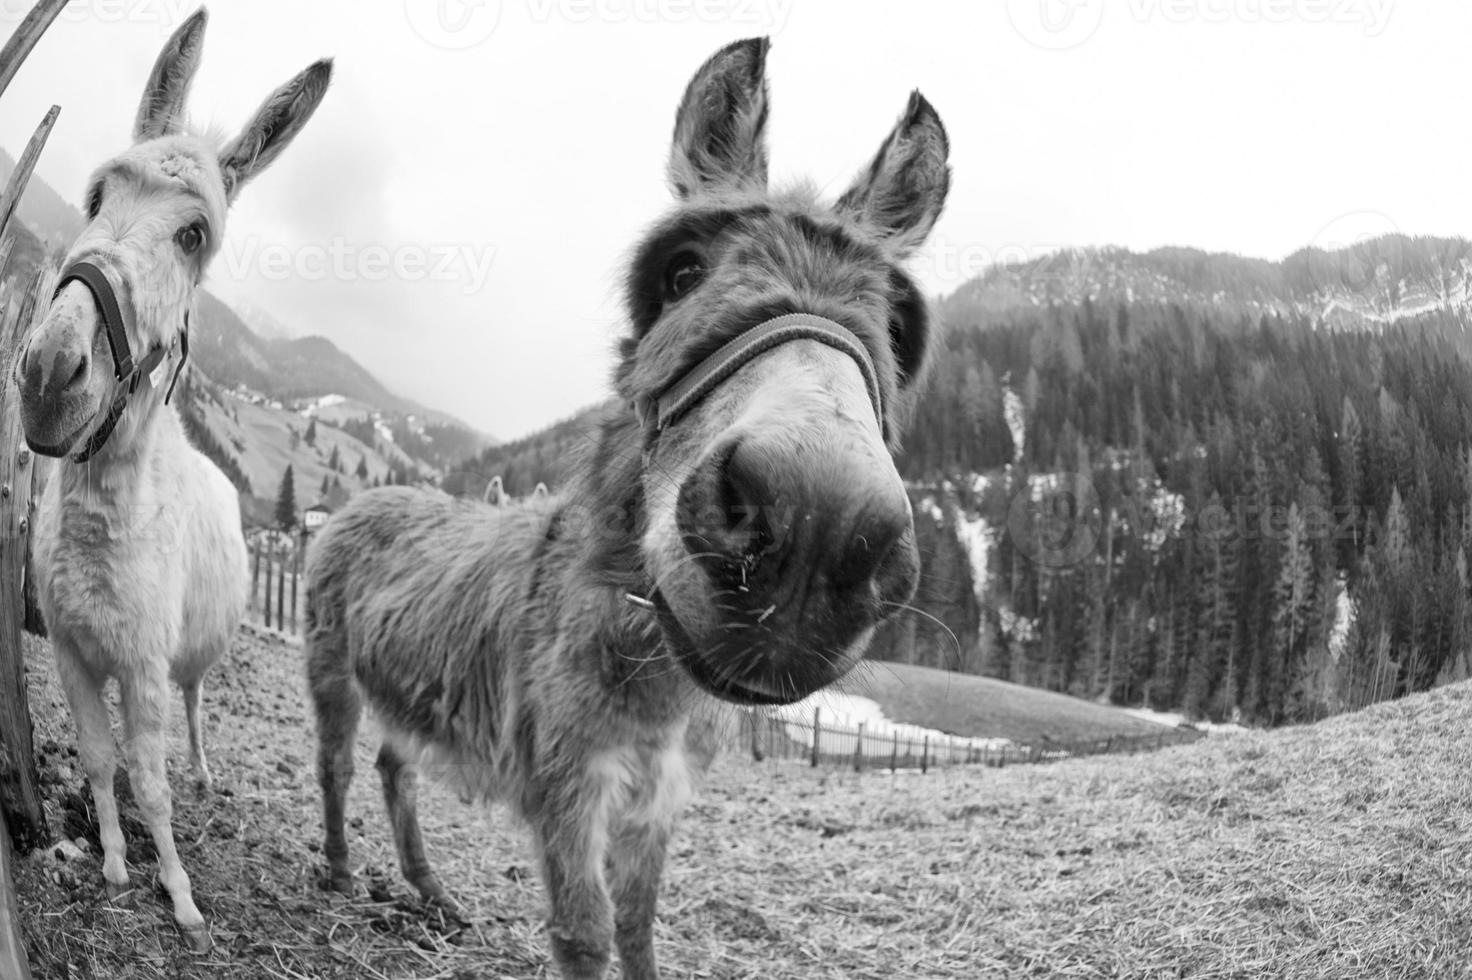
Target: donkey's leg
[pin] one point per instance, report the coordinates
(400, 798)
(338, 709)
(145, 725)
(95, 745)
(571, 836)
(636, 860)
(202, 780)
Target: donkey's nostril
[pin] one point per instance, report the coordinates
(722, 506)
(875, 534)
(80, 372)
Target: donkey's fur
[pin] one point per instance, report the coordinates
(138, 551)
(553, 653)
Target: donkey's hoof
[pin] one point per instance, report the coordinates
(204, 786)
(452, 911)
(120, 893)
(198, 938)
(340, 882)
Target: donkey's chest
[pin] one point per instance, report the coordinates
(105, 581)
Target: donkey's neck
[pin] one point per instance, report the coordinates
(607, 489)
(118, 472)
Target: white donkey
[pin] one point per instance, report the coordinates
(138, 547)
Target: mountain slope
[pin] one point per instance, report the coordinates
(1370, 284)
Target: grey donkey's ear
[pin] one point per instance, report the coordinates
(162, 107)
(275, 124)
(720, 128)
(902, 192)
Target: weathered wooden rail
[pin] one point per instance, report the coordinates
(22, 819)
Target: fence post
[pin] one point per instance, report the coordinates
(925, 755)
(296, 575)
(19, 786)
(281, 596)
(894, 750)
(267, 605)
(859, 749)
(817, 728)
(255, 578)
(20, 790)
(12, 947)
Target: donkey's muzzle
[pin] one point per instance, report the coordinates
(53, 374)
(803, 552)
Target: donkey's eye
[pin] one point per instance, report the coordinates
(190, 238)
(94, 203)
(684, 273)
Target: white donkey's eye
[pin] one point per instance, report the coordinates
(190, 238)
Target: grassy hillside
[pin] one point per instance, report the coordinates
(1334, 851)
(259, 437)
(982, 707)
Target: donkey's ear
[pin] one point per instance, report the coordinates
(274, 126)
(903, 191)
(162, 106)
(720, 129)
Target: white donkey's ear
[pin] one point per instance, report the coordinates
(162, 107)
(902, 192)
(275, 124)
(720, 128)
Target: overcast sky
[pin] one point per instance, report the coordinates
(457, 213)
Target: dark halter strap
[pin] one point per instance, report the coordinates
(709, 374)
(125, 371)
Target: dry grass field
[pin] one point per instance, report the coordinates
(1343, 850)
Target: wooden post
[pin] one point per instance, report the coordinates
(20, 796)
(859, 749)
(255, 578)
(20, 792)
(894, 750)
(296, 575)
(925, 755)
(35, 623)
(817, 729)
(12, 948)
(281, 596)
(24, 39)
(267, 619)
